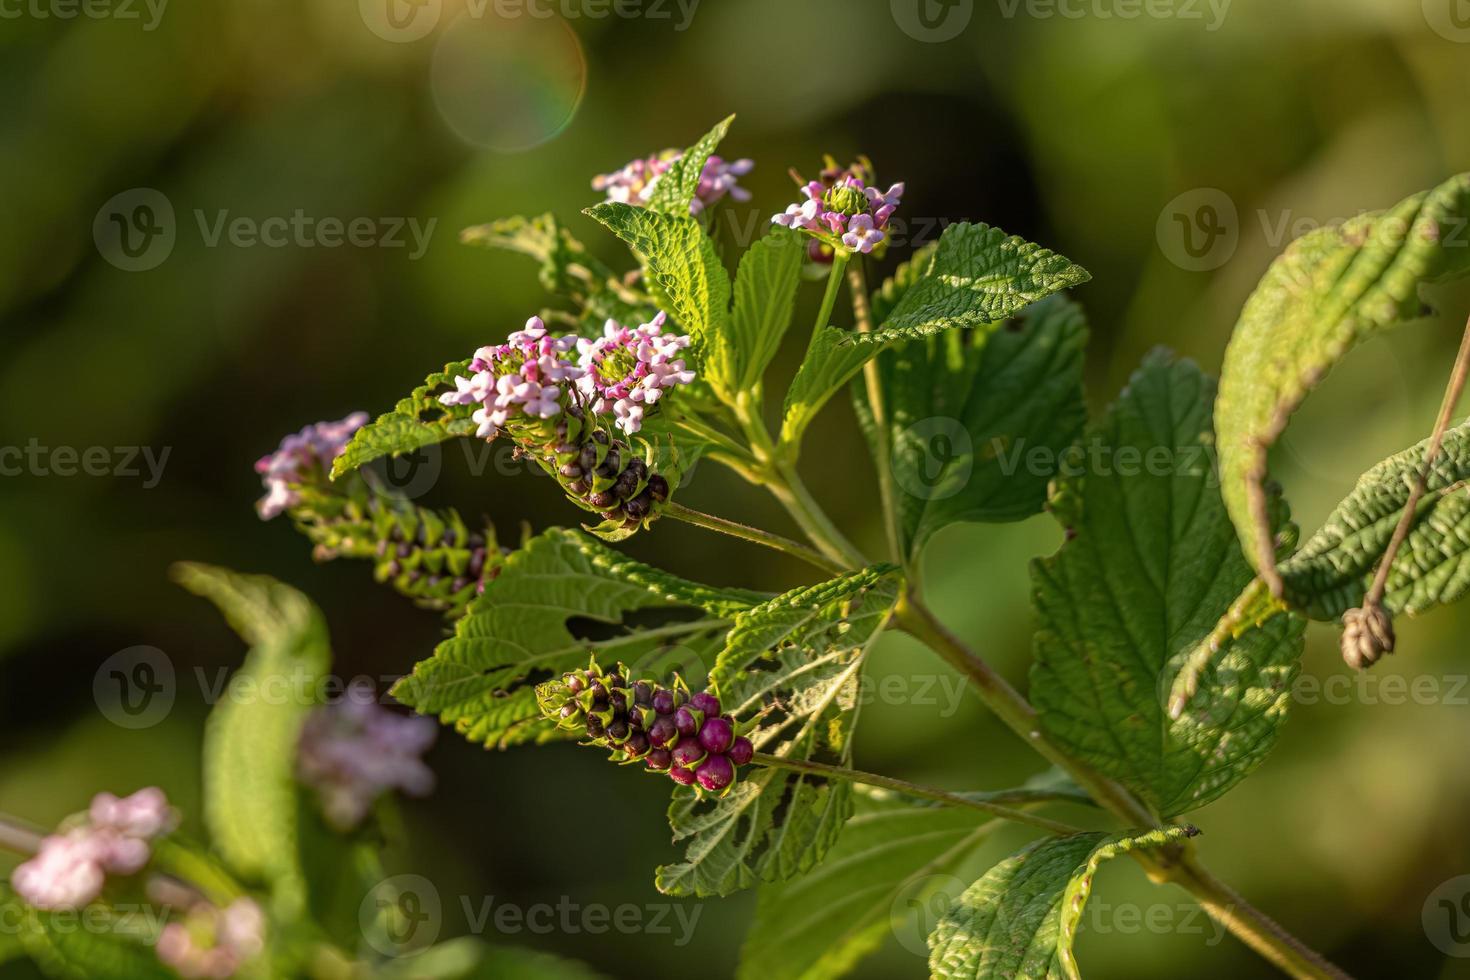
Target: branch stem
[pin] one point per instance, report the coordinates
(883, 450)
(752, 534)
(913, 789)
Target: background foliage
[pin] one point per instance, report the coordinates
(1079, 133)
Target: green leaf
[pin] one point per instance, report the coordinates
(105, 943)
(978, 426)
(468, 958)
(1021, 918)
(1330, 290)
(765, 298)
(796, 658)
(250, 791)
(1335, 567)
(885, 298)
(680, 261)
(974, 277)
(674, 191)
(978, 275)
(416, 421)
(1151, 564)
(819, 925)
(516, 633)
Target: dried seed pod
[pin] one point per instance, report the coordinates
(1367, 635)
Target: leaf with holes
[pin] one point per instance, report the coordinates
(1150, 566)
(1330, 290)
(1021, 918)
(515, 635)
(794, 661)
(978, 426)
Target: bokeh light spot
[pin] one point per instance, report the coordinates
(508, 84)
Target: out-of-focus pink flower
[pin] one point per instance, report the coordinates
(634, 183)
(303, 456)
(213, 943)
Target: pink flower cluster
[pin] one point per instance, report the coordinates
(212, 943)
(845, 210)
(634, 183)
(301, 456)
(630, 368)
(354, 750)
(69, 869)
(622, 372)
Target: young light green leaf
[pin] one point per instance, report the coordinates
(886, 297)
(819, 925)
(977, 425)
(1334, 568)
(516, 634)
(1330, 290)
(673, 193)
(681, 263)
(1021, 918)
(978, 275)
(416, 421)
(975, 277)
(1150, 565)
(250, 791)
(794, 662)
(765, 298)
(95, 943)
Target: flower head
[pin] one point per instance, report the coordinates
(303, 456)
(354, 750)
(634, 184)
(525, 376)
(69, 869)
(842, 209)
(628, 368)
(212, 943)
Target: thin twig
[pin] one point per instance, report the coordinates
(754, 534)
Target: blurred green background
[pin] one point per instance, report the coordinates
(1172, 155)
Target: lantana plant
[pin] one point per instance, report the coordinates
(1169, 623)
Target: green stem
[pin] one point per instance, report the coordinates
(913, 789)
(19, 838)
(829, 299)
(754, 534)
(883, 451)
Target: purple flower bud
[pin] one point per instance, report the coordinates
(663, 732)
(594, 727)
(599, 693)
(686, 721)
(684, 777)
(639, 506)
(618, 730)
(643, 693)
(689, 753)
(741, 751)
(637, 744)
(602, 499)
(717, 734)
(659, 760)
(570, 710)
(658, 488)
(716, 773)
(663, 701)
(706, 702)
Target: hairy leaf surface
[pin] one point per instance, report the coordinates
(1021, 918)
(1151, 565)
(515, 635)
(674, 191)
(765, 298)
(1330, 290)
(797, 658)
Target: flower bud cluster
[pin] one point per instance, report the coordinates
(843, 210)
(70, 868)
(302, 458)
(354, 750)
(212, 943)
(669, 729)
(634, 183)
